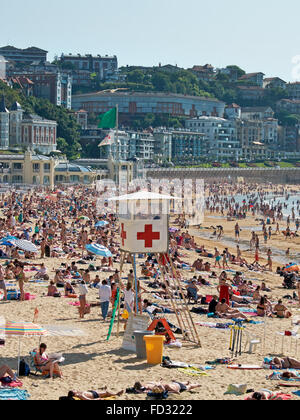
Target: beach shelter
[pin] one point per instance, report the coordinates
(99, 250)
(19, 330)
(26, 245)
(293, 267)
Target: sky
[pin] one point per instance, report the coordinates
(259, 35)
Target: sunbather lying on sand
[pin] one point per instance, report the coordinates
(159, 387)
(285, 363)
(91, 395)
(267, 395)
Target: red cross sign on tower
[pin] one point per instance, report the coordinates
(123, 235)
(148, 236)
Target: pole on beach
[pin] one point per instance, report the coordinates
(265, 327)
(136, 285)
(233, 340)
(231, 335)
(241, 339)
(237, 341)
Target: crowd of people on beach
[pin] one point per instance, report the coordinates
(62, 223)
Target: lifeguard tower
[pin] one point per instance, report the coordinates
(144, 229)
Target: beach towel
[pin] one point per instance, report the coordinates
(217, 325)
(13, 394)
(13, 384)
(273, 395)
(277, 376)
(236, 389)
(192, 371)
(296, 393)
(245, 367)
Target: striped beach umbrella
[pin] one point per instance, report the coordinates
(99, 250)
(21, 329)
(26, 245)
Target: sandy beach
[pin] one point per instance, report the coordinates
(93, 363)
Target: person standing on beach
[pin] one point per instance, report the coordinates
(269, 264)
(237, 232)
(20, 277)
(2, 283)
(224, 260)
(105, 297)
(83, 291)
(217, 258)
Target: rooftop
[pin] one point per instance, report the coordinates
(123, 93)
(256, 109)
(72, 167)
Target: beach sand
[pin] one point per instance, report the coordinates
(93, 363)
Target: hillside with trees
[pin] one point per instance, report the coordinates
(68, 131)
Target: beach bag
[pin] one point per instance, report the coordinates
(24, 369)
(13, 295)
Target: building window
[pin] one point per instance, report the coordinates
(17, 166)
(17, 179)
(46, 180)
(47, 167)
(36, 167)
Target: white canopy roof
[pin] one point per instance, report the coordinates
(143, 195)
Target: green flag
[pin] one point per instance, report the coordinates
(108, 120)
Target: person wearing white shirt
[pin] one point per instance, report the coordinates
(105, 295)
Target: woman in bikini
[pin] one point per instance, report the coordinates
(92, 395)
(20, 277)
(281, 311)
(263, 308)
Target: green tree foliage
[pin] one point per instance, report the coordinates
(287, 119)
(68, 131)
(67, 127)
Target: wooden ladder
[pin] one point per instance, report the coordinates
(180, 305)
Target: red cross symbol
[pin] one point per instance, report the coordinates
(148, 236)
(123, 235)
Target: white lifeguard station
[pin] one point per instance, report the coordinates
(144, 229)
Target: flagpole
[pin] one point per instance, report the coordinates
(117, 146)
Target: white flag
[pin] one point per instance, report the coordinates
(109, 140)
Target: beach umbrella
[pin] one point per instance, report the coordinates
(21, 329)
(7, 243)
(8, 238)
(292, 268)
(26, 245)
(173, 230)
(101, 223)
(84, 218)
(99, 250)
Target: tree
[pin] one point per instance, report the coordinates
(135, 76)
(235, 69)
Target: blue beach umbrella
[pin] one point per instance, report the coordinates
(101, 223)
(99, 250)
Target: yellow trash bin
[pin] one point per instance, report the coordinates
(154, 348)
